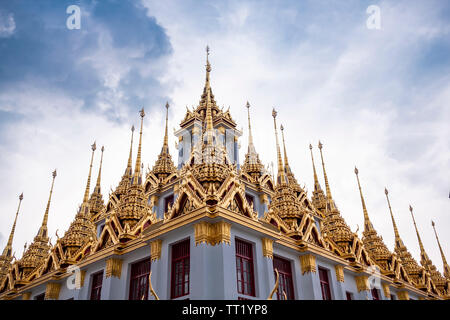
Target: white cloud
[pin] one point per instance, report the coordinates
(7, 25)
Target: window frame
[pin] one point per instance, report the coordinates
(95, 286)
(377, 295)
(325, 271)
(284, 274)
(185, 262)
(240, 282)
(136, 277)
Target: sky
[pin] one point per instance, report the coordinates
(376, 98)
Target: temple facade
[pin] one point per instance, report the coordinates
(211, 227)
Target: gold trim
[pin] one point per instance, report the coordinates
(26, 295)
(212, 233)
(403, 295)
(362, 283)
(386, 290)
(155, 250)
(339, 273)
(308, 263)
(267, 247)
(52, 291)
(113, 267)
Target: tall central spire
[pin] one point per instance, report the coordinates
(137, 168)
(251, 147)
(444, 261)
(367, 223)
(281, 177)
(209, 121)
(165, 148)
(7, 252)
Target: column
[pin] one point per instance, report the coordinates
(112, 287)
(339, 288)
(309, 280)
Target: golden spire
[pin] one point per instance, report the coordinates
(96, 203)
(398, 240)
(7, 252)
(422, 250)
(165, 148)
(97, 186)
(286, 163)
(251, 147)
(281, 178)
(129, 166)
(424, 260)
(43, 230)
(164, 165)
(327, 186)
(86, 192)
(252, 165)
(367, 224)
(317, 186)
(137, 168)
(209, 120)
(444, 261)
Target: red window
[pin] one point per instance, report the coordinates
(349, 295)
(285, 283)
(96, 289)
(180, 269)
(324, 284)
(139, 280)
(244, 268)
(375, 294)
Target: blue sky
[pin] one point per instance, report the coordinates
(377, 99)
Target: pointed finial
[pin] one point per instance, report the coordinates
(165, 148)
(317, 186)
(251, 147)
(8, 249)
(281, 178)
(137, 167)
(86, 192)
(43, 229)
(398, 241)
(327, 185)
(367, 224)
(424, 256)
(444, 260)
(128, 170)
(286, 162)
(208, 66)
